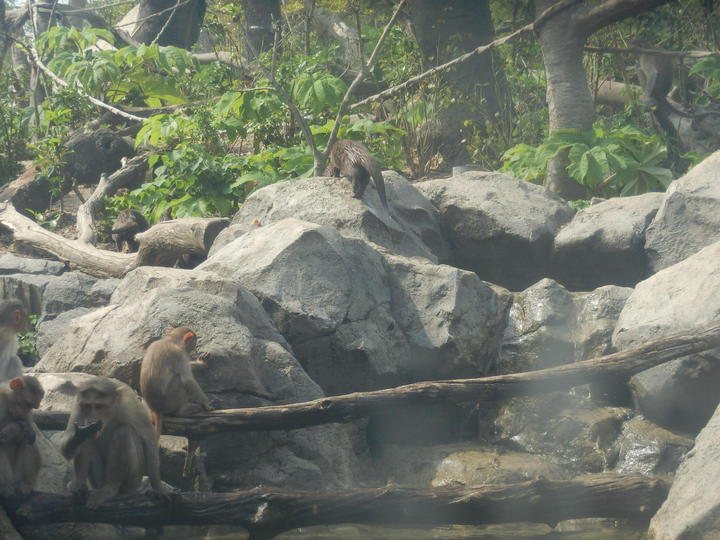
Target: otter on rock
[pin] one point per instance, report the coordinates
(353, 160)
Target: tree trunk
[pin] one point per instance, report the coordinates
(265, 511)
(444, 29)
(260, 18)
(562, 38)
(164, 243)
(570, 104)
(335, 28)
(182, 29)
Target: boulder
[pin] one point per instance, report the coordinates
(411, 227)
(357, 320)
(688, 219)
(12, 264)
(250, 365)
(498, 227)
(549, 326)
(646, 448)
(51, 330)
(465, 464)
(682, 394)
(604, 243)
(563, 425)
(692, 508)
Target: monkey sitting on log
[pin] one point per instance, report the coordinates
(167, 382)
(353, 160)
(111, 441)
(128, 223)
(13, 320)
(19, 456)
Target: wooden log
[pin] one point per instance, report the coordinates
(127, 174)
(267, 511)
(93, 261)
(487, 389)
(164, 243)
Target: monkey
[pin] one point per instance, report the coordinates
(353, 160)
(19, 456)
(128, 223)
(655, 72)
(167, 382)
(111, 442)
(13, 321)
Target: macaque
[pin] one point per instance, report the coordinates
(128, 223)
(19, 456)
(111, 441)
(353, 160)
(166, 377)
(13, 320)
(655, 72)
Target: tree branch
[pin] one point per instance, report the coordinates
(486, 389)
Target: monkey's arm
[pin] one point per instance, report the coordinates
(10, 432)
(75, 437)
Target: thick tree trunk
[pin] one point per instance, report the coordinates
(332, 26)
(163, 23)
(485, 389)
(265, 512)
(164, 243)
(570, 104)
(444, 29)
(260, 18)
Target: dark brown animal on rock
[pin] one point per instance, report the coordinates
(128, 223)
(353, 160)
(167, 382)
(111, 441)
(19, 456)
(13, 320)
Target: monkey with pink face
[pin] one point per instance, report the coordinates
(13, 321)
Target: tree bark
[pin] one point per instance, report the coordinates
(562, 38)
(443, 29)
(334, 27)
(260, 18)
(486, 389)
(164, 243)
(169, 22)
(266, 512)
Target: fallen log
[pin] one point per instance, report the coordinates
(267, 511)
(487, 389)
(130, 172)
(164, 243)
(81, 256)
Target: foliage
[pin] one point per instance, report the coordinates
(27, 343)
(617, 162)
(13, 130)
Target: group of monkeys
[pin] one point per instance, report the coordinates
(112, 434)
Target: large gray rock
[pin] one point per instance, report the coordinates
(499, 227)
(604, 244)
(12, 264)
(358, 320)
(549, 326)
(250, 365)
(692, 508)
(681, 394)
(688, 219)
(411, 227)
(50, 330)
(73, 290)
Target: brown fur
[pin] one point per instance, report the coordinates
(166, 377)
(19, 455)
(111, 441)
(353, 160)
(13, 320)
(128, 223)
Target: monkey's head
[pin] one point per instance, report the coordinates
(27, 393)
(13, 316)
(95, 401)
(184, 337)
